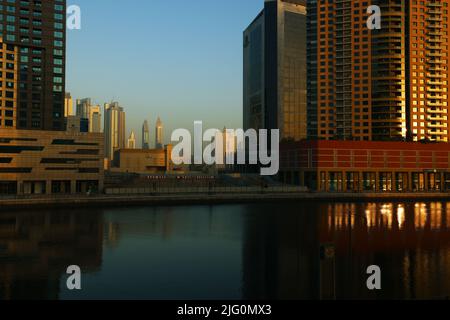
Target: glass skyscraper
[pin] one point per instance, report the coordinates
(275, 70)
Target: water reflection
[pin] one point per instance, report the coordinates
(36, 248)
(409, 241)
(254, 251)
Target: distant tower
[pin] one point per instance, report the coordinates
(90, 115)
(68, 105)
(131, 141)
(114, 129)
(95, 119)
(145, 136)
(159, 134)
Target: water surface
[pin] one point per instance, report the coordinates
(248, 251)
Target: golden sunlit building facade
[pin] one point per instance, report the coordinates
(429, 74)
(378, 84)
(8, 85)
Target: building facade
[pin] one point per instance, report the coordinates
(159, 134)
(36, 31)
(143, 161)
(114, 129)
(145, 136)
(378, 84)
(131, 143)
(68, 105)
(8, 79)
(90, 115)
(49, 162)
(275, 70)
(366, 166)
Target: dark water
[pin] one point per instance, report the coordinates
(228, 252)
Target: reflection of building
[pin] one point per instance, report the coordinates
(159, 134)
(409, 241)
(275, 69)
(145, 136)
(279, 262)
(68, 105)
(36, 249)
(366, 166)
(131, 144)
(143, 161)
(381, 84)
(50, 162)
(114, 129)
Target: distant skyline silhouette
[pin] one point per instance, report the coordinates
(179, 60)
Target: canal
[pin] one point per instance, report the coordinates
(245, 251)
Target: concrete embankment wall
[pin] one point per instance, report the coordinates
(200, 199)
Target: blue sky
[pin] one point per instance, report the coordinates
(180, 60)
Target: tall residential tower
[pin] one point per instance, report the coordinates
(378, 84)
(114, 129)
(34, 34)
(159, 129)
(145, 136)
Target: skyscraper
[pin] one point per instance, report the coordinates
(131, 143)
(83, 107)
(114, 129)
(33, 106)
(95, 119)
(275, 69)
(145, 136)
(159, 134)
(90, 115)
(382, 84)
(34, 34)
(68, 105)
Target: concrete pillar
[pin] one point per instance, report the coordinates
(73, 186)
(302, 178)
(48, 187)
(394, 182)
(410, 182)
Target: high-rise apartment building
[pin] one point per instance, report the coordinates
(95, 119)
(37, 154)
(159, 130)
(33, 34)
(378, 84)
(275, 69)
(114, 129)
(90, 115)
(145, 136)
(68, 105)
(8, 80)
(131, 143)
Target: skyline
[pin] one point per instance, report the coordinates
(207, 74)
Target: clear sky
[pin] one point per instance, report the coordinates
(177, 59)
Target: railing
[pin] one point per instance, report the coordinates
(204, 190)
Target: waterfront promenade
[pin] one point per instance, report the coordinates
(109, 200)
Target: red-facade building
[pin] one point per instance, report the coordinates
(354, 166)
